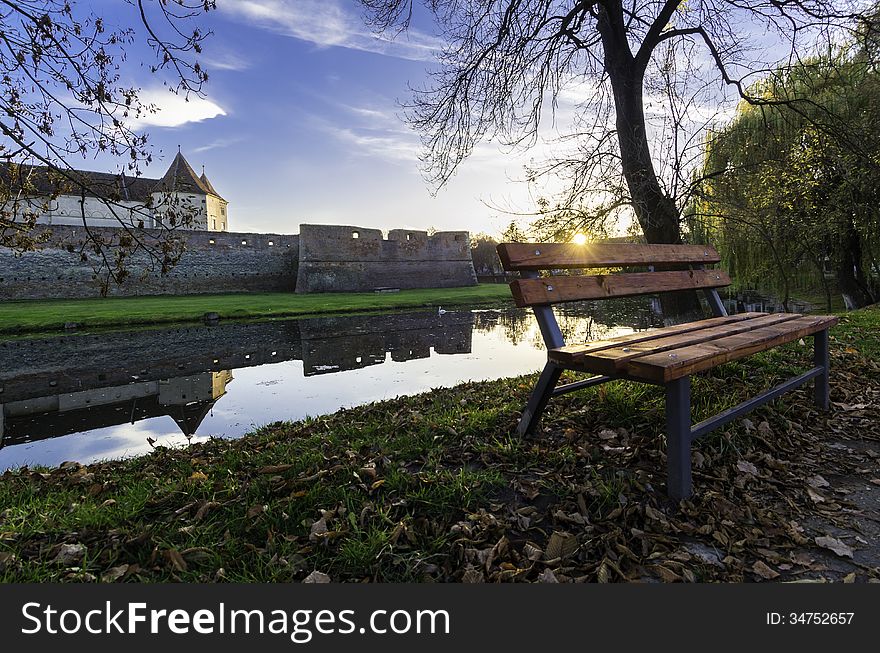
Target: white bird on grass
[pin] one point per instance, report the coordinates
(440, 311)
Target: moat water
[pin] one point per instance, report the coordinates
(96, 396)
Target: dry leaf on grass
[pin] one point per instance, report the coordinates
(70, 554)
(317, 577)
(114, 573)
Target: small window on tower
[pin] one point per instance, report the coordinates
(244, 242)
(355, 234)
(271, 243)
(211, 241)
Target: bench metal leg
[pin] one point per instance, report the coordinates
(678, 438)
(538, 400)
(821, 359)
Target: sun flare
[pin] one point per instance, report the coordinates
(579, 239)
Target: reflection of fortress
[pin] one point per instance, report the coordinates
(187, 400)
(54, 386)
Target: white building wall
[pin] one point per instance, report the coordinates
(217, 216)
(185, 205)
(67, 209)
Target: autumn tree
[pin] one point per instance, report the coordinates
(66, 94)
(504, 61)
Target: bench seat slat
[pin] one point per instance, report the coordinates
(548, 256)
(570, 354)
(615, 359)
(670, 365)
(550, 290)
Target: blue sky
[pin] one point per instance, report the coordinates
(299, 123)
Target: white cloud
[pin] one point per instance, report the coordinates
(383, 145)
(174, 110)
(225, 61)
(218, 144)
(326, 23)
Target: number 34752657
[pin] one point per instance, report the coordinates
(810, 618)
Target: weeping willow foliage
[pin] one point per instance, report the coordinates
(790, 190)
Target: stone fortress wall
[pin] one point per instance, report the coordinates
(322, 258)
(215, 262)
(336, 258)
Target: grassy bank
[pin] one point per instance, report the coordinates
(121, 311)
(433, 488)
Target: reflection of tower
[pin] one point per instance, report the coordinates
(189, 399)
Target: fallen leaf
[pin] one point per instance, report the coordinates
(764, 571)
(318, 529)
(532, 552)
(817, 481)
(198, 476)
(668, 575)
(548, 577)
(176, 559)
(114, 573)
(472, 575)
(197, 555)
(747, 468)
(850, 578)
(274, 469)
(561, 545)
(203, 510)
(835, 545)
(70, 554)
(317, 577)
(815, 496)
(255, 510)
(7, 560)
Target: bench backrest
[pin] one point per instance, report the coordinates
(533, 290)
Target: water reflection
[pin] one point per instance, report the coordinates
(111, 394)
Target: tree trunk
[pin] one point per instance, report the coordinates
(655, 211)
(826, 287)
(850, 275)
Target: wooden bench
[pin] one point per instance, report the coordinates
(666, 356)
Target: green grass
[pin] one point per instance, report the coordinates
(123, 311)
(433, 487)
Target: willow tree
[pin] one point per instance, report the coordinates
(504, 60)
(793, 189)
